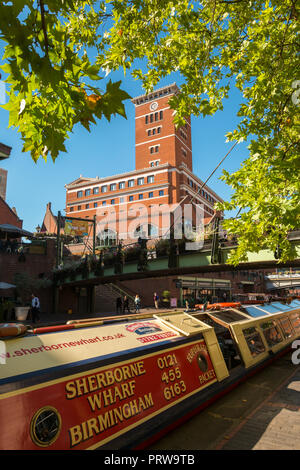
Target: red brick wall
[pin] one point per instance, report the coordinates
(34, 266)
(146, 287)
(49, 223)
(169, 140)
(7, 216)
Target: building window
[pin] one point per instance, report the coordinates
(95, 204)
(158, 130)
(141, 196)
(160, 115)
(112, 201)
(154, 149)
(87, 206)
(103, 203)
(149, 132)
(161, 192)
(151, 194)
(113, 187)
(104, 189)
(156, 116)
(152, 164)
(87, 192)
(96, 190)
(79, 193)
(150, 179)
(130, 198)
(71, 209)
(122, 199)
(146, 119)
(130, 183)
(122, 185)
(107, 238)
(140, 181)
(79, 208)
(151, 117)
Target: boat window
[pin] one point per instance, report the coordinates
(271, 333)
(45, 426)
(254, 311)
(286, 326)
(269, 309)
(254, 341)
(282, 306)
(295, 319)
(228, 316)
(295, 303)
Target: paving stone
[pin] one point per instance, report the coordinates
(261, 414)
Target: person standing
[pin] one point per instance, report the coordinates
(35, 308)
(119, 305)
(126, 304)
(137, 303)
(155, 299)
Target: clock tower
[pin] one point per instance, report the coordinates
(157, 141)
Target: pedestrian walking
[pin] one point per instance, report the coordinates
(137, 303)
(155, 299)
(35, 308)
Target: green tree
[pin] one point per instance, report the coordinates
(217, 45)
(214, 44)
(50, 71)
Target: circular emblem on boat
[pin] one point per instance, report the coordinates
(202, 362)
(45, 426)
(153, 106)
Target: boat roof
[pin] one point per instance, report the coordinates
(79, 344)
(261, 310)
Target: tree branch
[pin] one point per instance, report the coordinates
(44, 26)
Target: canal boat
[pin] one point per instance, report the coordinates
(122, 382)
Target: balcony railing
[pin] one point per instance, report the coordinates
(12, 248)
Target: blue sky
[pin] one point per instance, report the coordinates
(107, 150)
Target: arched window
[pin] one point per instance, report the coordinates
(107, 237)
(151, 232)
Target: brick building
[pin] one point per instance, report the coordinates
(163, 175)
(4, 153)
(36, 260)
(8, 215)
(49, 224)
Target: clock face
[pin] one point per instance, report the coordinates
(153, 106)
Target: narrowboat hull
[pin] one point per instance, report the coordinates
(118, 385)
